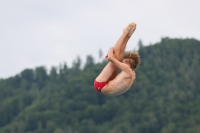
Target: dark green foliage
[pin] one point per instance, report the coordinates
(89, 62)
(164, 98)
(28, 74)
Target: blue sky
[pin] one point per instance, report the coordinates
(46, 33)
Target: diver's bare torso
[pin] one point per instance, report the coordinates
(120, 84)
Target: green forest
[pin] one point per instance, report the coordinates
(165, 98)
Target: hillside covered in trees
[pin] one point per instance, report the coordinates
(165, 97)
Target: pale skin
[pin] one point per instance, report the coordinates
(118, 83)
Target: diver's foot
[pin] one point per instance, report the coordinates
(130, 29)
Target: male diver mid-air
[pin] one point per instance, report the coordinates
(109, 82)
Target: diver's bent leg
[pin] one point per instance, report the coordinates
(110, 70)
(107, 73)
(120, 45)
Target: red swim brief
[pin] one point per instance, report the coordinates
(99, 85)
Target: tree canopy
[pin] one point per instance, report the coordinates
(164, 98)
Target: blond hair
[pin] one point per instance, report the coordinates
(135, 57)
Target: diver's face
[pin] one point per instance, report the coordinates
(126, 61)
(123, 61)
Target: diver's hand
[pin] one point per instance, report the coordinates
(110, 53)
